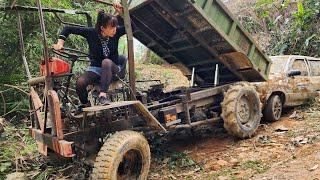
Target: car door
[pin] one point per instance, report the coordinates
(300, 84)
(314, 65)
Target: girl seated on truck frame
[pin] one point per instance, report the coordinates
(106, 63)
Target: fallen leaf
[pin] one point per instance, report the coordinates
(172, 176)
(281, 128)
(314, 168)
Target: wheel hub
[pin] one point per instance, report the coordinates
(130, 166)
(277, 108)
(243, 110)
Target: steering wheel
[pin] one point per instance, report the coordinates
(71, 54)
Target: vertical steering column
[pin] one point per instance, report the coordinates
(127, 24)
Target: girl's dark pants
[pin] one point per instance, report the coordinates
(109, 72)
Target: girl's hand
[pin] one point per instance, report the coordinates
(59, 45)
(118, 7)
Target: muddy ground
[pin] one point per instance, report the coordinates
(287, 149)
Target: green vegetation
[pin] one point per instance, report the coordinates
(180, 160)
(255, 166)
(294, 27)
(17, 150)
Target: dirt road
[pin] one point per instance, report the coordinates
(287, 149)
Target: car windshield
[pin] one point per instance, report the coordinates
(278, 65)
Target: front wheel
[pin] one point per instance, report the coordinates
(125, 155)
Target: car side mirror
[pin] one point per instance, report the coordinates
(294, 73)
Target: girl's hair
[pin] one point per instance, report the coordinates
(105, 20)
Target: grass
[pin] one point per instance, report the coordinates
(176, 164)
(17, 150)
(292, 133)
(180, 162)
(180, 159)
(257, 166)
(228, 172)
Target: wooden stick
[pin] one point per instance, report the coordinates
(12, 110)
(13, 3)
(16, 87)
(4, 103)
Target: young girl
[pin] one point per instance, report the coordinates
(103, 52)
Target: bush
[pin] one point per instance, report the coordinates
(293, 26)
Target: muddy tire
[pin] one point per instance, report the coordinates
(273, 109)
(125, 155)
(241, 110)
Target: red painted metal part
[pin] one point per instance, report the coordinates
(54, 105)
(37, 103)
(62, 147)
(57, 66)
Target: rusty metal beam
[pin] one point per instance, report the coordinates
(201, 98)
(48, 81)
(110, 106)
(37, 103)
(23, 54)
(98, 130)
(55, 113)
(174, 50)
(62, 147)
(194, 124)
(141, 109)
(37, 80)
(53, 10)
(127, 24)
(45, 45)
(203, 62)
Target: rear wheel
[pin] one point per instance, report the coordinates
(273, 109)
(241, 110)
(125, 155)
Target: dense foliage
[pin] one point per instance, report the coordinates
(294, 26)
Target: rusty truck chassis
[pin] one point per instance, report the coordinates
(173, 110)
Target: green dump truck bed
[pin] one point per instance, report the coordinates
(199, 34)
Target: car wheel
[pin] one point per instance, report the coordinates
(273, 109)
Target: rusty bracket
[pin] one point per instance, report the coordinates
(62, 147)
